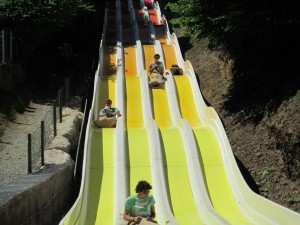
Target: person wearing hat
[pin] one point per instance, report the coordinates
(105, 112)
(107, 116)
(108, 111)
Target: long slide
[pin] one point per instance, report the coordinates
(167, 136)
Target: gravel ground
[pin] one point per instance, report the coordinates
(13, 144)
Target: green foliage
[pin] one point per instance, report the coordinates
(42, 15)
(260, 37)
(292, 200)
(36, 22)
(228, 21)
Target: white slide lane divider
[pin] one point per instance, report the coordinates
(121, 170)
(204, 207)
(157, 169)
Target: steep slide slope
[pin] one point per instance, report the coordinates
(95, 204)
(224, 187)
(137, 139)
(228, 193)
(180, 194)
(211, 160)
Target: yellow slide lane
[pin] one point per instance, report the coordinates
(138, 146)
(181, 197)
(130, 61)
(216, 179)
(161, 109)
(100, 209)
(109, 60)
(170, 55)
(107, 90)
(186, 100)
(149, 52)
(134, 114)
(139, 157)
(96, 205)
(210, 156)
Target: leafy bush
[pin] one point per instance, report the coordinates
(40, 14)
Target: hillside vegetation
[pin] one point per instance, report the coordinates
(266, 148)
(246, 56)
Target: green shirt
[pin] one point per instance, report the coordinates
(138, 206)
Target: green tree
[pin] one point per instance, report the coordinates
(261, 36)
(46, 15)
(228, 21)
(35, 22)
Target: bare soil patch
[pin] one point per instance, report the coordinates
(258, 151)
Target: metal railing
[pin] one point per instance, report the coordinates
(43, 135)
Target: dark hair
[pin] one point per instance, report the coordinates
(156, 56)
(142, 185)
(108, 101)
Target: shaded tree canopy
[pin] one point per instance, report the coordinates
(36, 22)
(44, 15)
(262, 36)
(223, 20)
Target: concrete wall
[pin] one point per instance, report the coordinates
(43, 197)
(37, 198)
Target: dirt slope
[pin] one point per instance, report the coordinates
(258, 151)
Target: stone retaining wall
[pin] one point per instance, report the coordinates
(41, 198)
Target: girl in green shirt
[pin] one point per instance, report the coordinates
(141, 205)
